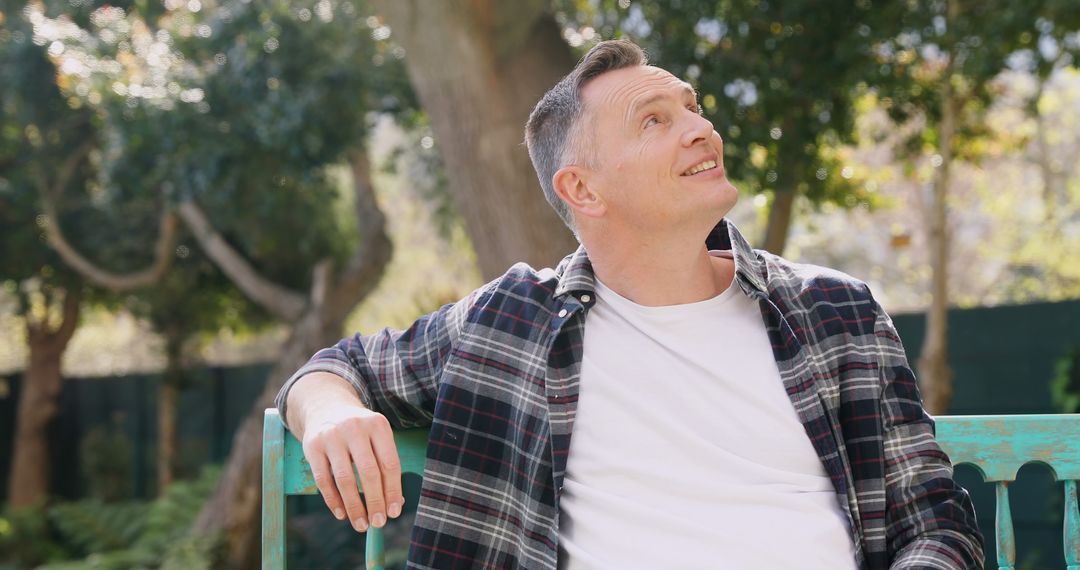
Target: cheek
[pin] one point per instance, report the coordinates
(639, 163)
(717, 142)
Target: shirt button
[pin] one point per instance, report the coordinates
(562, 313)
(585, 298)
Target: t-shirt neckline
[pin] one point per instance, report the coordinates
(606, 293)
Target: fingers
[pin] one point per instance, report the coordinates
(324, 480)
(370, 481)
(345, 482)
(366, 440)
(382, 443)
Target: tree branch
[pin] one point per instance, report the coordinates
(283, 303)
(103, 278)
(70, 313)
(365, 267)
(117, 283)
(43, 332)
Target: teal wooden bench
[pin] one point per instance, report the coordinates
(996, 445)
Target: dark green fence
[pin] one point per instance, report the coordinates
(113, 421)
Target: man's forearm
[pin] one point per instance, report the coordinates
(315, 391)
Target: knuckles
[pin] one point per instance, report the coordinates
(391, 467)
(368, 471)
(318, 439)
(343, 475)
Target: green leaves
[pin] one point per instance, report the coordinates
(121, 535)
(241, 106)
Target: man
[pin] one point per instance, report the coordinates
(729, 409)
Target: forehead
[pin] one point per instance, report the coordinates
(618, 90)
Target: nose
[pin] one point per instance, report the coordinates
(698, 129)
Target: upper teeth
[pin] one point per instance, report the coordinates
(703, 166)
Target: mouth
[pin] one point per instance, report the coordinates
(700, 167)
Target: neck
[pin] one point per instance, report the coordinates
(658, 271)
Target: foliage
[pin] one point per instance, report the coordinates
(1065, 385)
(416, 159)
(27, 539)
(106, 460)
(111, 535)
(965, 45)
(240, 105)
(39, 133)
(95, 526)
(1012, 242)
(95, 534)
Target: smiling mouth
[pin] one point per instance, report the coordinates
(702, 167)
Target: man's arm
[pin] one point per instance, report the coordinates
(930, 519)
(345, 401)
(391, 372)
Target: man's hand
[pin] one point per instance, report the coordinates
(338, 432)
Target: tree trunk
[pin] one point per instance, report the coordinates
(935, 374)
(1051, 196)
(233, 511)
(776, 232)
(168, 399)
(505, 56)
(782, 210)
(40, 390)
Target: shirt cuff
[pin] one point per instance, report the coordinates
(336, 368)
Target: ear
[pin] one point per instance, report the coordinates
(572, 185)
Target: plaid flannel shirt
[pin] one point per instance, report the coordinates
(495, 376)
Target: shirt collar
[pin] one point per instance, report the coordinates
(576, 272)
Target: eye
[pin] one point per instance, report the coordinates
(694, 108)
(650, 121)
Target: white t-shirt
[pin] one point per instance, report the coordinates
(686, 451)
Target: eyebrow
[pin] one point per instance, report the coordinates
(636, 109)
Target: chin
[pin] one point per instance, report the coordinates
(724, 199)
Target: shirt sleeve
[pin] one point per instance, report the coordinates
(930, 519)
(394, 372)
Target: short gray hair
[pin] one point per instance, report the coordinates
(554, 134)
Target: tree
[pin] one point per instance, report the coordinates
(34, 155)
(938, 64)
(505, 56)
(258, 202)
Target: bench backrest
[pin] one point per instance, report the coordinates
(998, 446)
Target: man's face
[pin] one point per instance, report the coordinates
(658, 163)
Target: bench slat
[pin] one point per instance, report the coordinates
(1072, 527)
(1005, 537)
(273, 499)
(998, 446)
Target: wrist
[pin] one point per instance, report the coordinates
(319, 394)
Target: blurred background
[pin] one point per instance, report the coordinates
(196, 195)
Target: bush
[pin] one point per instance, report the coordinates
(27, 539)
(91, 534)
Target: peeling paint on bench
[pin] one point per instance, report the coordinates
(998, 446)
